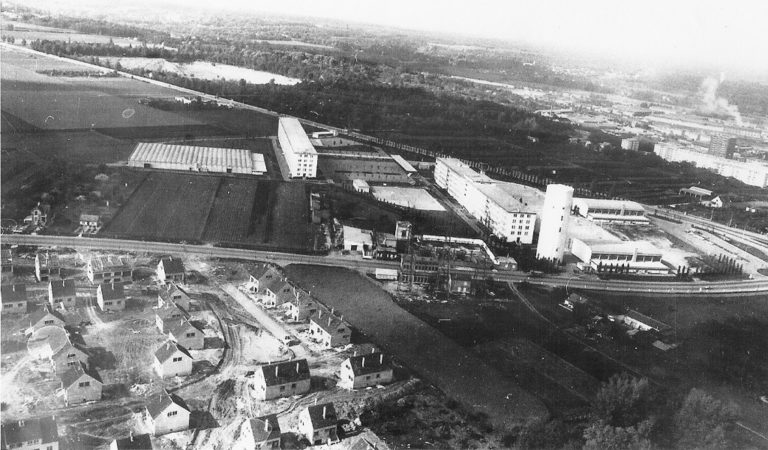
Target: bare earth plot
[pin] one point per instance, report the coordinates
(455, 370)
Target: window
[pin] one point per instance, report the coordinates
(282, 388)
(172, 413)
(177, 359)
(378, 375)
(368, 377)
(190, 334)
(293, 386)
(71, 355)
(84, 383)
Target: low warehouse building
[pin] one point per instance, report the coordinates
(610, 211)
(197, 159)
(629, 257)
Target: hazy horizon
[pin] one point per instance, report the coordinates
(718, 36)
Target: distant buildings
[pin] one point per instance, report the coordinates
(30, 434)
(610, 211)
(14, 299)
(285, 379)
(152, 155)
(299, 153)
(361, 371)
(507, 209)
(319, 424)
(554, 222)
(630, 144)
(722, 146)
(751, 173)
(638, 321)
(167, 413)
(172, 360)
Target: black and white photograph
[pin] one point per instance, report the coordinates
(375, 225)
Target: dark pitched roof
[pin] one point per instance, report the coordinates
(179, 327)
(164, 399)
(135, 442)
(576, 298)
(32, 429)
(62, 288)
(12, 293)
(304, 300)
(74, 373)
(263, 272)
(285, 372)
(172, 265)
(272, 431)
(38, 315)
(170, 312)
(109, 263)
(273, 284)
(329, 322)
(170, 289)
(323, 421)
(48, 260)
(112, 291)
(168, 349)
(650, 321)
(66, 349)
(363, 444)
(369, 363)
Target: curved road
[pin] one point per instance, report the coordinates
(718, 288)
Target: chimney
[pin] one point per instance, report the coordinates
(130, 435)
(354, 353)
(329, 321)
(381, 359)
(373, 350)
(363, 361)
(297, 367)
(324, 407)
(276, 369)
(320, 314)
(266, 426)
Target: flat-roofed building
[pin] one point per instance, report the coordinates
(749, 172)
(30, 434)
(197, 159)
(108, 269)
(610, 211)
(299, 153)
(627, 256)
(630, 144)
(285, 379)
(14, 299)
(47, 265)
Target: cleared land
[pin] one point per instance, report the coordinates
(203, 70)
(455, 370)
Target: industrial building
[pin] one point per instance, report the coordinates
(610, 211)
(372, 169)
(554, 222)
(632, 257)
(722, 146)
(751, 173)
(151, 155)
(507, 209)
(298, 151)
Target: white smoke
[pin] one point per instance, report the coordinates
(712, 104)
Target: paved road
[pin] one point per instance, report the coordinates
(716, 289)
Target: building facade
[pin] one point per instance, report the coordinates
(110, 296)
(362, 371)
(81, 384)
(153, 155)
(172, 360)
(554, 222)
(170, 270)
(167, 413)
(47, 265)
(630, 257)
(329, 330)
(30, 434)
(298, 151)
(108, 269)
(751, 173)
(62, 293)
(271, 381)
(610, 211)
(318, 423)
(15, 299)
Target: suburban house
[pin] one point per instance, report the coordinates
(111, 296)
(89, 223)
(46, 266)
(574, 301)
(173, 295)
(274, 292)
(108, 269)
(62, 293)
(71, 354)
(81, 384)
(638, 321)
(14, 298)
(329, 330)
(281, 380)
(168, 314)
(184, 333)
(172, 360)
(302, 308)
(167, 413)
(266, 432)
(133, 442)
(170, 270)
(361, 371)
(6, 261)
(318, 424)
(262, 274)
(45, 317)
(30, 433)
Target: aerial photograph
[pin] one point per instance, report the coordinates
(371, 225)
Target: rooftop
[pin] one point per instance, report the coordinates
(328, 322)
(62, 288)
(513, 197)
(20, 431)
(603, 203)
(48, 260)
(625, 248)
(172, 265)
(650, 321)
(323, 416)
(12, 293)
(156, 153)
(403, 163)
(112, 291)
(353, 234)
(134, 442)
(168, 349)
(179, 327)
(464, 170)
(296, 135)
(74, 373)
(369, 363)
(285, 372)
(265, 428)
(109, 264)
(161, 401)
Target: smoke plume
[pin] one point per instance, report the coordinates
(712, 104)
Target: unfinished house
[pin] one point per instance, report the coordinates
(172, 294)
(46, 266)
(108, 269)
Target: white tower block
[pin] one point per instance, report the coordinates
(554, 222)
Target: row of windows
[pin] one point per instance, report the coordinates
(117, 302)
(616, 212)
(640, 258)
(282, 388)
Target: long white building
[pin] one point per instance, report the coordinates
(752, 173)
(151, 155)
(507, 209)
(610, 211)
(299, 153)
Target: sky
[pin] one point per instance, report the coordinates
(722, 33)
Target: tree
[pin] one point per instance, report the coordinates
(623, 401)
(601, 436)
(703, 422)
(540, 433)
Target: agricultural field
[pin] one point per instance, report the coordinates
(30, 32)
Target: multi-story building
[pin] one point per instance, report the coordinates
(299, 153)
(751, 173)
(554, 222)
(507, 209)
(630, 144)
(722, 146)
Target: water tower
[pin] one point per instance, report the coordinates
(554, 222)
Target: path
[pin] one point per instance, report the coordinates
(267, 322)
